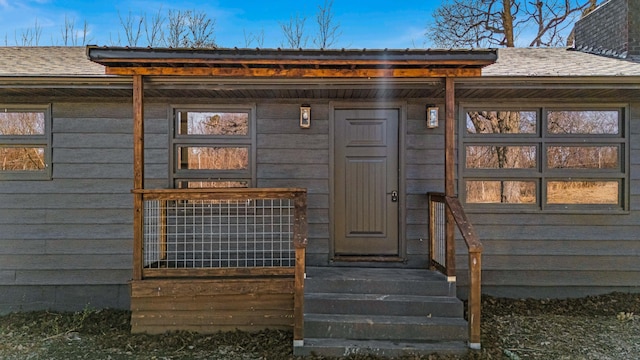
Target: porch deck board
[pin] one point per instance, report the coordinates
(211, 305)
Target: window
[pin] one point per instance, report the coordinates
(25, 145)
(213, 147)
(544, 159)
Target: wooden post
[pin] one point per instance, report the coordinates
(298, 299)
(449, 175)
(300, 243)
(449, 137)
(138, 174)
(432, 232)
(475, 298)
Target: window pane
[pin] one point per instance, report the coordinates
(213, 158)
(22, 159)
(501, 157)
(582, 122)
(501, 122)
(583, 157)
(496, 192)
(213, 123)
(22, 123)
(189, 184)
(582, 192)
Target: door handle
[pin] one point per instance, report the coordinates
(394, 196)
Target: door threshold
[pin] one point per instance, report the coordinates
(374, 259)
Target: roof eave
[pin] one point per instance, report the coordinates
(60, 81)
(505, 81)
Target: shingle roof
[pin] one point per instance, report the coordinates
(558, 62)
(47, 61)
(525, 62)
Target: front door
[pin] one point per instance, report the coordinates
(366, 182)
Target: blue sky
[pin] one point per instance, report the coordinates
(364, 23)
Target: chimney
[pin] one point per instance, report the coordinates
(613, 29)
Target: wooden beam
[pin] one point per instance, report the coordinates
(222, 272)
(295, 72)
(138, 174)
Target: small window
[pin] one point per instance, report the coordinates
(583, 192)
(501, 157)
(501, 192)
(213, 158)
(502, 122)
(213, 123)
(24, 143)
(583, 157)
(582, 122)
(213, 148)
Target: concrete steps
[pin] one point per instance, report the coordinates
(386, 312)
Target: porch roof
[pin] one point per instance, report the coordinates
(517, 72)
(290, 63)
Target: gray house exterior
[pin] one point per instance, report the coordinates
(66, 232)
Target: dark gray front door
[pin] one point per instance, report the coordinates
(366, 182)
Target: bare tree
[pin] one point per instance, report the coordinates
(250, 38)
(132, 27)
(328, 30)
(486, 23)
(85, 33)
(115, 42)
(153, 29)
(294, 32)
(177, 31)
(190, 29)
(67, 32)
(201, 29)
(29, 37)
(69, 35)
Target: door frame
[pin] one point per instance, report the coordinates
(402, 120)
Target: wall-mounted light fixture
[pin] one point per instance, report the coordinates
(305, 116)
(432, 116)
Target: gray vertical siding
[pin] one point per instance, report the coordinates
(288, 156)
(65, 243)
(424, 164)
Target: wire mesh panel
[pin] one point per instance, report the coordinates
(438, 233)
(152, 232)
(236, 233)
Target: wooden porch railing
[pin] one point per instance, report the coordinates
(444, 212)
(189, 233)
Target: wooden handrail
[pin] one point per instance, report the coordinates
(474, 247)
(220, 193)
(468, 233)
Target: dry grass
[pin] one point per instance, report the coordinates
(600, 327)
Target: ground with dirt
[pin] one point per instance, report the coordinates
(600, 327)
